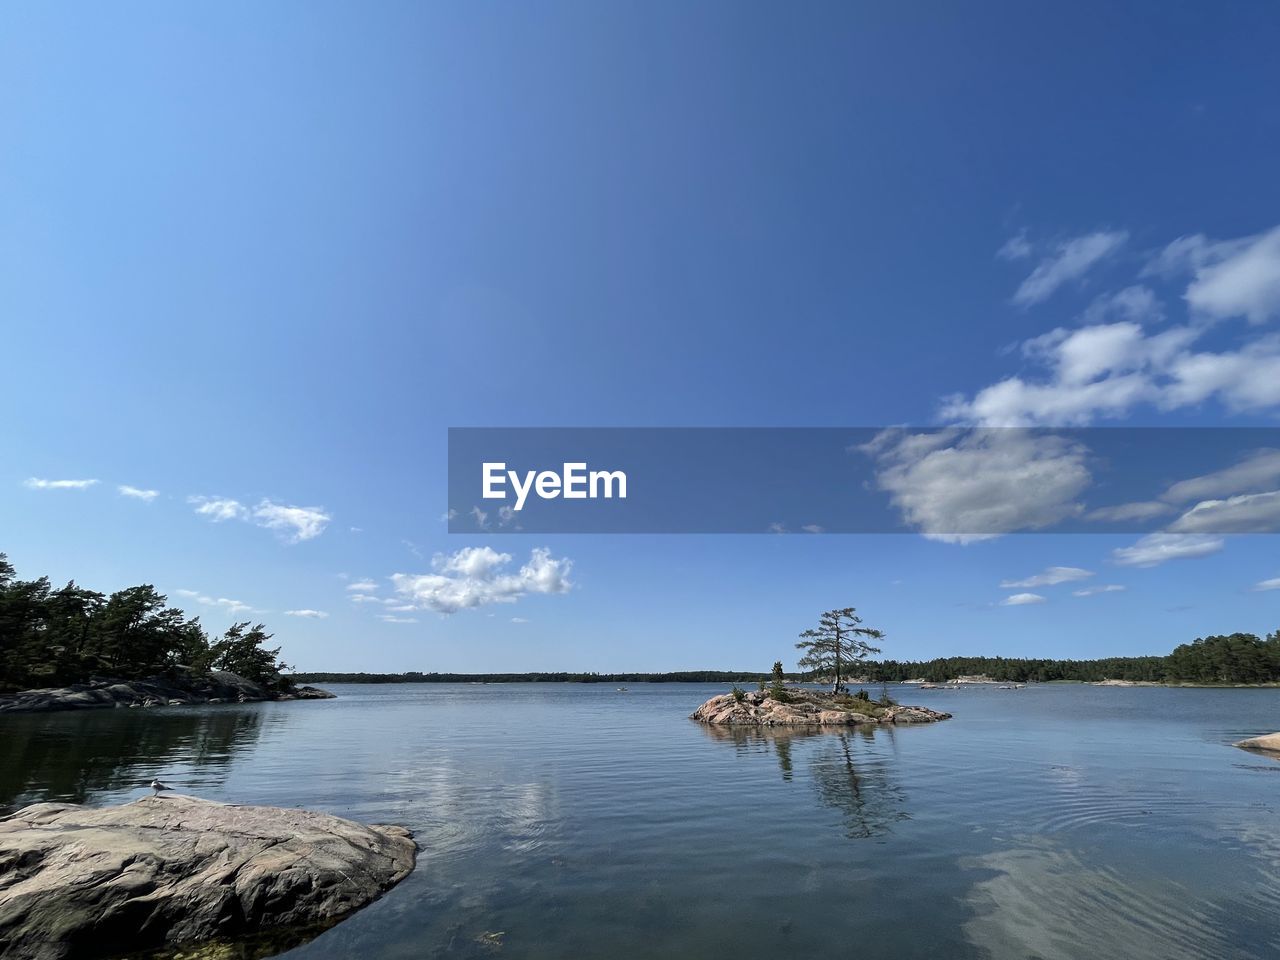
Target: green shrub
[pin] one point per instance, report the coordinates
(738, 694)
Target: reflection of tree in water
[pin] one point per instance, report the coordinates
(72, 756)
(864, 793)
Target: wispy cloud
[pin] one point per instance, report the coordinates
(478, 576)
(1070, 260)
(362, 586)
(1017, 247)
(232, 607)
(293, 524)
(1272, 584)
(1050, 577)
(137, 493)
(218, 509)
(38, 483)
(387, 618)
(1021, 600)
(1157, 548)
(307, 614)
(1102, 588)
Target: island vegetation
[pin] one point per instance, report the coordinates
(1237, 658)
(69, 635)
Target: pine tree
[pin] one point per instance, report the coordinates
(838, 642)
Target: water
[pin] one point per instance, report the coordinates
(1052, 822)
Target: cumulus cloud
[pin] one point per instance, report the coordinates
(137, 493)
(478, 576)
(1230, 278)
(1069, 261)
(38, 483)
(1157, 548)
(307, 614)
(962, 486)
(1050, 577)
(1021, 600)
(1103, 588)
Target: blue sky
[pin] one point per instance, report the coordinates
(267, 255)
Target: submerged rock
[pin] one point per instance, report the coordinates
(807, 708)
(1269, 743)
(82, 882)
(176, 688)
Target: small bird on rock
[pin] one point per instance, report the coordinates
(157, 786)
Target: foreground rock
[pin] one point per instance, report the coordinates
(177, 688)
(1269, 743)
(82, 882)
(806, 708)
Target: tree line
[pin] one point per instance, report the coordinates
(57, 636)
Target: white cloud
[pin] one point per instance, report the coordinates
(387, 618)
(1021, 600)
(813, 528)
(37, 483)
(1051, 577)
(307, 614)
(1273, 584)
(481, 518)
(1103, 588)
(1069, 261)
(232, 607)
(364, 598)
(362, 586)
(1231, 278)
(965, 486)
(1136, 304)
(1017, 247)
(1248, 513)
(294, 523)
(219, 509)
(1256, 473)
(1123, 512)
(1157, 548)
(477, 576)
(146, 496)
(519, 620)
(777, 527)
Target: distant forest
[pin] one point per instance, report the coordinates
(54, 636)
(1238, 658)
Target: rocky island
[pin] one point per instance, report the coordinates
(174, 687)
(172, 870)
(767, 708)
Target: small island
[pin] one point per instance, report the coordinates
(830, 649)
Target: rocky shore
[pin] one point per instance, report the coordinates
(1267, 743)
(177, 688)
(806, 708)
(165, 871)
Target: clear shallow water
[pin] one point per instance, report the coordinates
(1050, 822)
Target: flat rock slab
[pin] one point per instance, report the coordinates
(805, 709)
(1269, 743)
(94, 882)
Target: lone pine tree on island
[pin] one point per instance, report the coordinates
(838, 641)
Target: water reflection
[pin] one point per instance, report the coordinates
(73, 757)
(863, 790)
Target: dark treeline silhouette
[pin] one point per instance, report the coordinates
(1238, 658)
(57, 636)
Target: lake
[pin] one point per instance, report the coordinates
(564, 820)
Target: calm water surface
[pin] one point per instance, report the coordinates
(578, 821)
